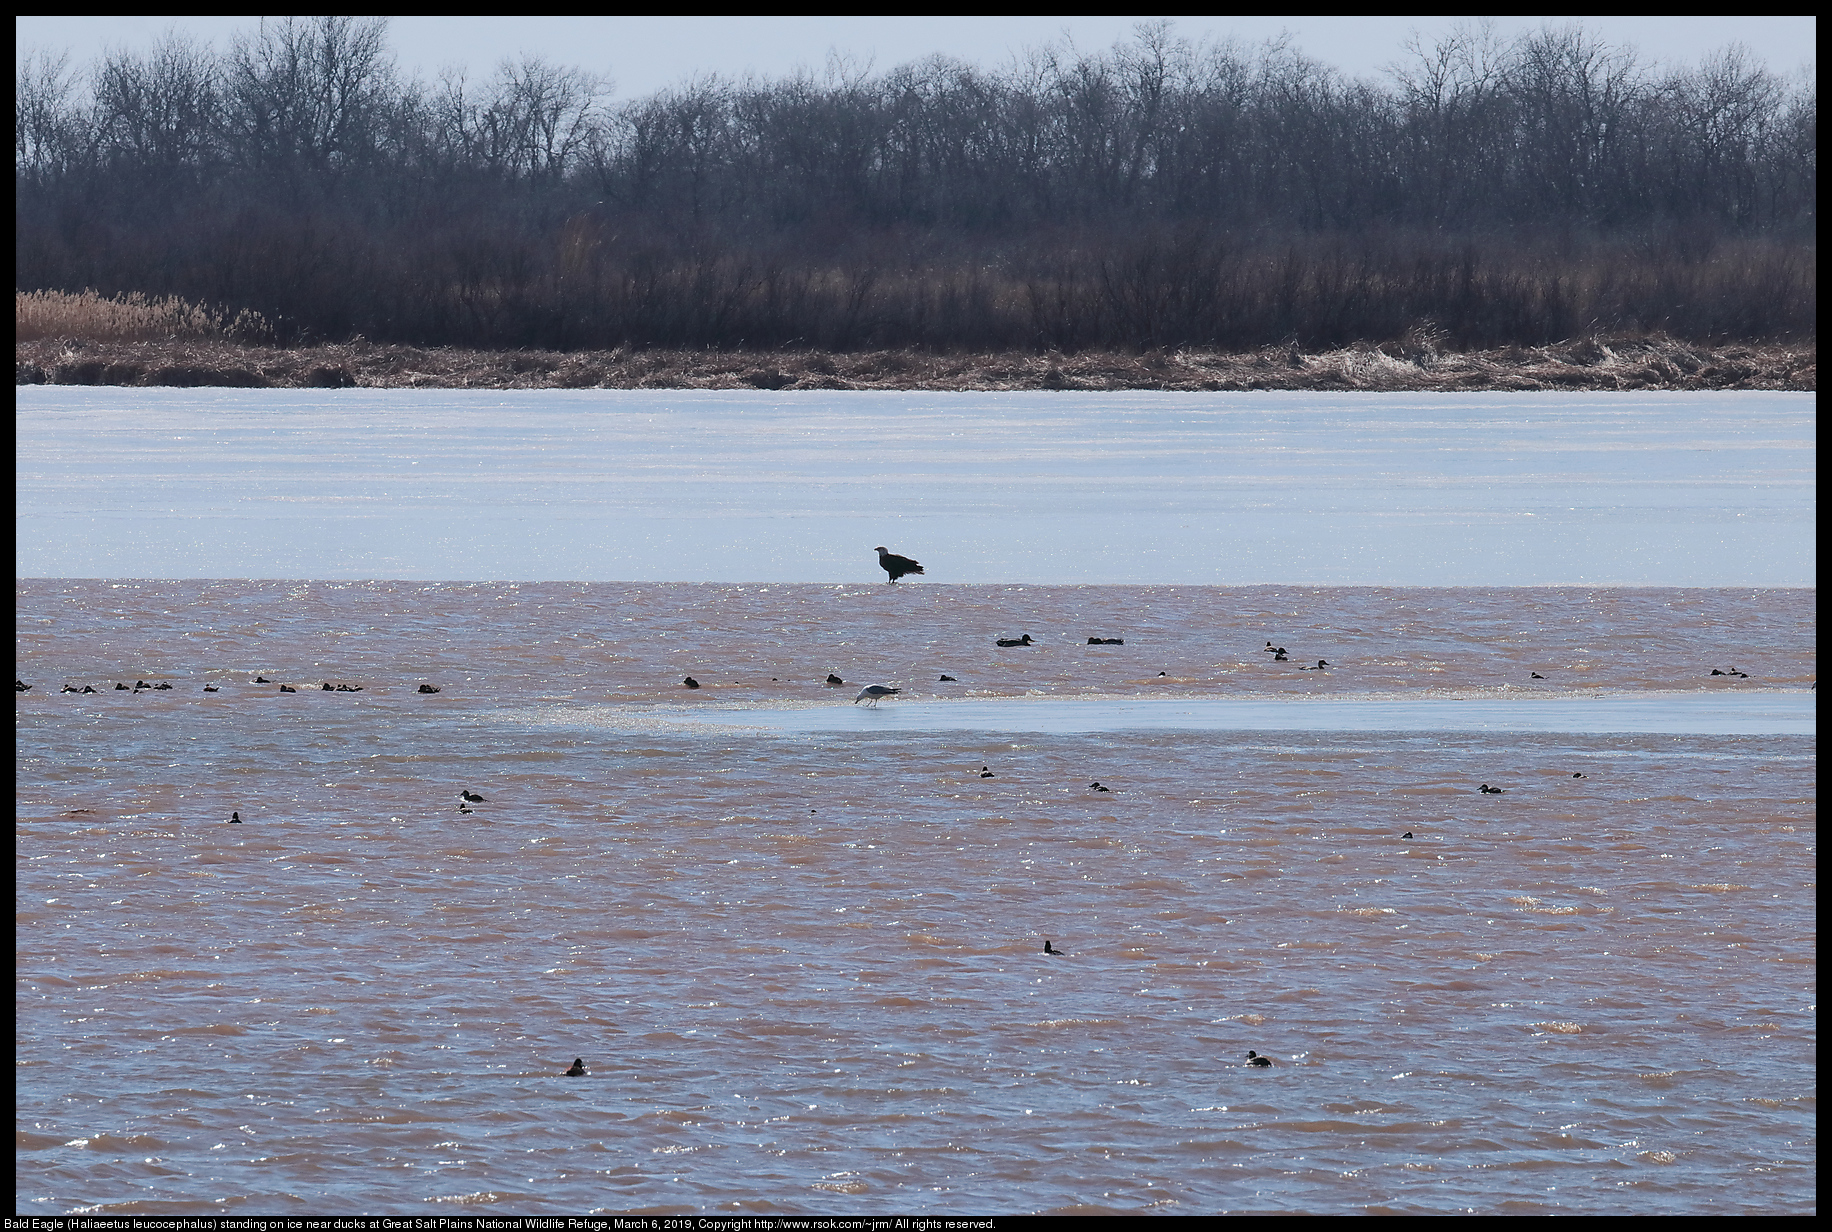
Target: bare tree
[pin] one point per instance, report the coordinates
(160, 112)
(308, 94)
(48, 129)
(540, 118)
(1575, 97)
(1153, 193)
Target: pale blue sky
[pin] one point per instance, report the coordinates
(643, 54)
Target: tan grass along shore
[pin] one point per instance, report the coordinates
(1587, 364)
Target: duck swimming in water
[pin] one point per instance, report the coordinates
(1254, 1058)
(1014, 641)
(578, 1068)
(469, 796)
(1049, 949)
(1486, 790)
(986, 773)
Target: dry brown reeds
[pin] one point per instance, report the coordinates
(133, 317)
(1416, 364)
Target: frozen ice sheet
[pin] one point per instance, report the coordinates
(1692, 489)
(1790, 714)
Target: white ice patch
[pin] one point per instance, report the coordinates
(1501, 489)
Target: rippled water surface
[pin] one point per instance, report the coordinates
(804, 968)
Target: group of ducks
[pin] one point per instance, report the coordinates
(1486, 790)
(872, 694)
(466, 798)
(1026, 641)
(986, 773)
(1279, 655)
(1254, 1059)
(832, 681)
(20, 686)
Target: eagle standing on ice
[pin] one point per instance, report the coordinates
(896, 565)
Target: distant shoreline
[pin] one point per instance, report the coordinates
(1586, 365)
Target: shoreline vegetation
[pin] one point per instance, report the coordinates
(1535, 212)
(1587, 365)
(135, 340)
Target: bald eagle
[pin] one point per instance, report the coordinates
(896, 565)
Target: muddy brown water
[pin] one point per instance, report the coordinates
(804, 970)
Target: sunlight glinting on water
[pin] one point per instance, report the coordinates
(803, 969)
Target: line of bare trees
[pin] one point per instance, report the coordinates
(1156, 194)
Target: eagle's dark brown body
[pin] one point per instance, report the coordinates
(896, 565)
